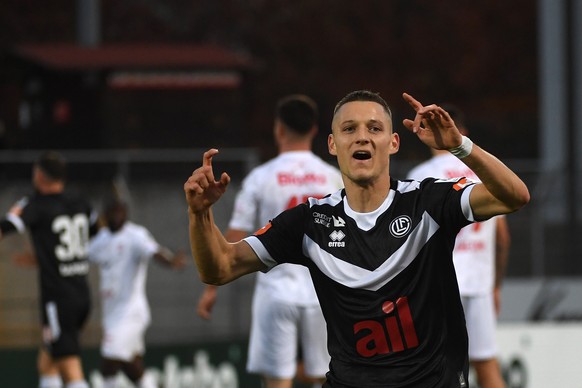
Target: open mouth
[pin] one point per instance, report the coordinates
(362, 155)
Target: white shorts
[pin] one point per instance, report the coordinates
(481, 324)
(123, 341)
(277, 329)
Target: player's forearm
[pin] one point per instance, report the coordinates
(499, 275)
(499, 180)
(502, 247)
(210, 250)
(168, 258)
(501, 257)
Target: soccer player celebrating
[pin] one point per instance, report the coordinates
(383, 272)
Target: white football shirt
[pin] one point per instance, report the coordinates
(474, 252)
(281, 183)
(123, 258)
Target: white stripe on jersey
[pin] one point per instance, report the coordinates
(356, 277)
(332, 199)
(261, 252)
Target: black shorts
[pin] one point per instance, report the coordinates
(62, 321)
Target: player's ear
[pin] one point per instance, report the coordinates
(394, 144)
(331, 145)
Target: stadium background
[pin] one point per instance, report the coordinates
(133, 92)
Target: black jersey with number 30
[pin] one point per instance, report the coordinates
(385, 281)
(59, 226)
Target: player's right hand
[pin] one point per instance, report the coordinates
(206, 302)
(201, 189)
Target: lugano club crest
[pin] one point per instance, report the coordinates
(400, 226)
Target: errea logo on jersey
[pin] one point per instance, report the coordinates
(337, 236)
(400, 226)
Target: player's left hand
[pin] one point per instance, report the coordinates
(180, 260)
(433, 125)
(24, 259)
(206, 302)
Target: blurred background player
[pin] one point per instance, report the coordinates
(122, 250)
(480, 258)
(285, 310)
(60, 226)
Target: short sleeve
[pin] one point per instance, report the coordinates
(281, 240)
(20, 215)
(447, 200)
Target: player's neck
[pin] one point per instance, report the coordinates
(367, 198)
(294, 146)
(51, 188)
(288, 140)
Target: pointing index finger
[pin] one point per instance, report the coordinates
(208, 155)
(414, 103)
(417, 106)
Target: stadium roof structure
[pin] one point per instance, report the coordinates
(145, 65)
(132, 56)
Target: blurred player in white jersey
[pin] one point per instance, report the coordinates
(285, 309)
(123, 250)
(480, 258)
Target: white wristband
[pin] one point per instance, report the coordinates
(464, 149)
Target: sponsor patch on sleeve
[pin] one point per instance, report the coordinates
(263, 229)
(459, 183)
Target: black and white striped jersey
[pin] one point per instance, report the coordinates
(59, 226)
(385, 281)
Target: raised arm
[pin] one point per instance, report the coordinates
(208, 298)
(501, 191)
(218, 261)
